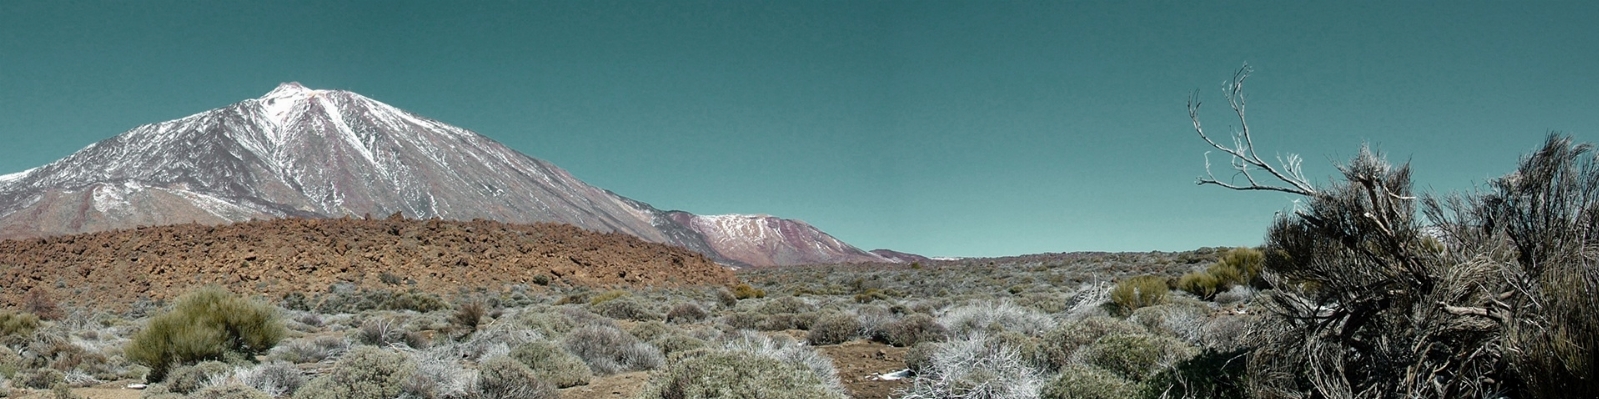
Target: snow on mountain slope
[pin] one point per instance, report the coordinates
(762, 240)
(302, 152)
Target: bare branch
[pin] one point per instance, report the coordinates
(1244, 158)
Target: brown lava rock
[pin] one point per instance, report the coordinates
(274, 257)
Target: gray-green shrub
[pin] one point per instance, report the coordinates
(504, 378)
(553, 364)
(1136, 357)
(833, 329)
(1060, 343)
(188, 379)
(912, 329)
(1085, 382)
(608, 350)
(730, 374)
(364, 373)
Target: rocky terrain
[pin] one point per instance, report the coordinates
(300, 152)
(280, 256)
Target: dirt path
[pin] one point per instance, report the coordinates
(859, 362)
(614, 386)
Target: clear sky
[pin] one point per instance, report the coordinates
(943, 128)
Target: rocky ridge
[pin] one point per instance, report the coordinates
(280, 256)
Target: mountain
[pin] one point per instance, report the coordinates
(763, 240)
(299, 152)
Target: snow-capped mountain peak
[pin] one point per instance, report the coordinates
(303, 152)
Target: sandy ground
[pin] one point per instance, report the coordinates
(613, 386)
(860, 361)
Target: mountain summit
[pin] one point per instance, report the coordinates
(300, 152)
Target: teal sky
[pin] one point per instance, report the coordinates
(941, 128)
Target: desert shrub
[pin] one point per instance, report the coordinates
(833, 329)
(310, 350)
(229, 391)
(1029, 348)
(349, 300)
(685, 313)
(994, 316)
(17, 328)
(40, 378)
(1084, 382)
(1200, 283)
(787, 304)
(1211, 374)
(553, 364)
(504, 378)
(913, 329)
(188, 379)
(1237, 294)
(547, 323)
(206, 324)
(780, 322)
(1184, 319)
(607, 296)
(579, 317)
(438, 375)
(626, 308)
(1060, 343)
(380, 331)
(727, 298)
(1135, 356)
(728, 373)
(919, 359)
(744, 320)
(745, 291)
(467, 316)
(608, 350)
(365, 373)
(675, 343)
(975, 366)
(277, 379)
(649, 330)
(1137, 292)
(38, 301)
(784, 348)
(1227, 333)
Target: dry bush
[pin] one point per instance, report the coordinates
(912, 329)
(977, 367)
(553, 364)
(1085, 382)
(365, 373)
(1135, 357)
(686, 313)
(608, 350)
(990, 317)
(626, 308)
(504, 378)
(730, 373)
(310, 350)
(1484, 294)
(278, 379)
(40, 302)
(1063, 341)
(833, 329)
(229, 391)
(786, 349)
